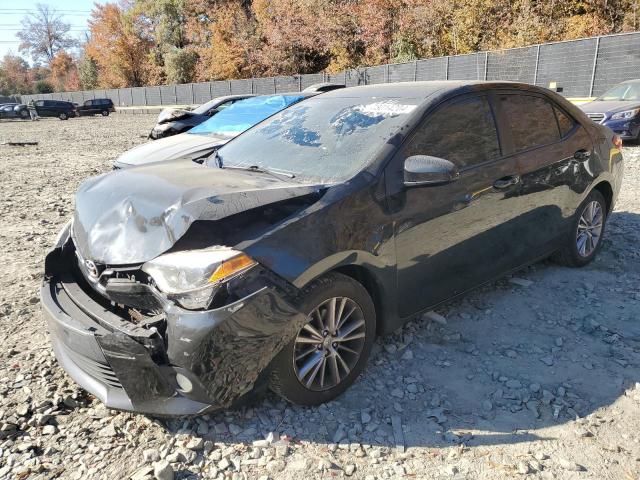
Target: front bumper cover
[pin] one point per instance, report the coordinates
(222, 352)
(626, 129)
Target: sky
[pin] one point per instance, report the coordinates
(75, 13)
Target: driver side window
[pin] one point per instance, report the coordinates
(463, 132)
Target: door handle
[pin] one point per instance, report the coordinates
(582, 155)
(506, 182)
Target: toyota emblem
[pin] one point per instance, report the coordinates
(92, 270)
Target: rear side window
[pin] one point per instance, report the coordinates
(531, 121)
(463, 132)
(565, 122)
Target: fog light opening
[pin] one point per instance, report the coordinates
(184, 384)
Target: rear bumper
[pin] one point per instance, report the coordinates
(130, 367)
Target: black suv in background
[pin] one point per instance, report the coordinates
(55, 108)
(97, 106)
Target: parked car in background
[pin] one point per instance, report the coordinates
(97, 106)
(55, 108)
(201, 140)
(14, 110)
(179, 288)
(619, 109)
(172, 121)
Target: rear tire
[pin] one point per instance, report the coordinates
(315, 354)
(584, 240)
(63, 116)
(105, 113)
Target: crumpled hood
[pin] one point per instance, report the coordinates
(132, 216)
(608, 106)
(171, 148)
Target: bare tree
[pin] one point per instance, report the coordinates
(44, 33)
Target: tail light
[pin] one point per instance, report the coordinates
(617, 142)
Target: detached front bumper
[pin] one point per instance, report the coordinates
(138, 367)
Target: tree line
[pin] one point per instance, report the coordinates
(134, 43)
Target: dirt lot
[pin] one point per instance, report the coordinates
(533, 378)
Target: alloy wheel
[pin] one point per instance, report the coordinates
(329, 346)
(589, 229)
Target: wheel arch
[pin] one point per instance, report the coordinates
(605, 188)
(376, 276)
(368, 280)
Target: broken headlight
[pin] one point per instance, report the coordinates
(192, 277)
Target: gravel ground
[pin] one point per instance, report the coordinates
(533, 376)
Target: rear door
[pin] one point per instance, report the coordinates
(550, 148)
(450, 238)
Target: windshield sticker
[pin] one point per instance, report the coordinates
(387, 108)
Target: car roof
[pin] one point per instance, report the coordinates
(424, 89)
(635, 80)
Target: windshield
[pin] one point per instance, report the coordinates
(244, 114)
(322, 139)
(624, 91)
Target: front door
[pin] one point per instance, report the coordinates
(452, 237)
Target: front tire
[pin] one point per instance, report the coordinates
(63, 116)
(105, 113)
(587, 229)
(332, 348)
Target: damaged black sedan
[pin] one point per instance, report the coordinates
(179, 288)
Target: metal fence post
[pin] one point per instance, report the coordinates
(415, 70)
(299, 83)
(193, 95)
(535, 72)
(146, 102)
(446, 72)
(486, 64)
(593, 70)
(119, 101)
(386, 73)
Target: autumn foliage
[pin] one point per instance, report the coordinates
(149, 42)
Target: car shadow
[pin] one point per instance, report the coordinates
(502, 364)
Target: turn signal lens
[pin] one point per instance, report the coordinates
(617, 142)
(234, 265)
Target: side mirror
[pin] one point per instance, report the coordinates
(426, 170)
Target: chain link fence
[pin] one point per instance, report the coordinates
(578, 68)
